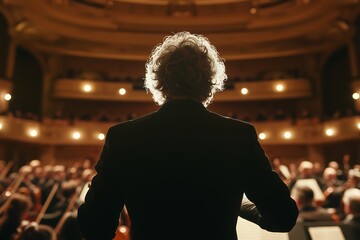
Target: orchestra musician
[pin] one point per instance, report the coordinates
(182, 171)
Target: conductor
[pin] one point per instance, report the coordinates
(182, 171)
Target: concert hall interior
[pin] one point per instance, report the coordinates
(70, 69)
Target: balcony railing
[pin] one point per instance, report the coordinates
(58, 132)
(243, 91)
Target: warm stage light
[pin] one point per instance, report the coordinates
(287, 135)
(122, 91)
(244, 91)
(1, 126)
(358, 125)
(33, 132)
(356, 96)
(122, 229)
(76, 135)
(262, 136)
(101, 136)
(7, 97)
(330, 132)
(87, 88)
(279, 87)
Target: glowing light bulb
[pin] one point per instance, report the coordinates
(33, 132)
(356, 96)
(122, 91)
(244, 91)
(287, 135)
(101, 136)
(7, 97)
(87, 88)
(279, 87)
(123, 229)
(76, 135)
(262, 136)
(330, 132)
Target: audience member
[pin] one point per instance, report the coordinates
(13, 214)
(351, 201)
(308, 211)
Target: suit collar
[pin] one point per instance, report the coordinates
(182, 105)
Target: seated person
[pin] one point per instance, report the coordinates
(308, 211)
(332, 189)
(13, 214)
(351, 201)
(33, 231)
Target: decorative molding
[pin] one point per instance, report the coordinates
(101, 90)
(56, 132)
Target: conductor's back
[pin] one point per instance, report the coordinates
(182, 171)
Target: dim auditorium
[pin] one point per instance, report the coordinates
(71, 69)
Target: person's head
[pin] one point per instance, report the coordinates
(276, 163)
(34, 231)
(18, 207)
(334, 165)
(306, 168)
(353, 178)
(330, 174)
(304, 196)
(318, 168)
(351, 201)
(187, 66)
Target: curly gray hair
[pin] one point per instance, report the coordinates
(185, 65)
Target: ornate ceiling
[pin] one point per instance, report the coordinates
(129, 29)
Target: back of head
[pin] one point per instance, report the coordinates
(305, 196)
(185, 66)
(33, 231)
(18, 207)
(351, 201)
(306, 168)
(329, 174)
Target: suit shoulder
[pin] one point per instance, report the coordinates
(229, 120)
(131, 123)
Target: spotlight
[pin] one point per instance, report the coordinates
(330, 132)
(356, 96)
(279, 87)
(262, 136)
(76, 135)
(287, 135)
(33, 132)
(358, 125)
(122, 91)
(101, 136)
(253, 10)
(7, 97)
(244, 91)
(87, 88)
(123, 229)
(1, 126)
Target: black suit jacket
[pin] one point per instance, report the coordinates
(182, 172)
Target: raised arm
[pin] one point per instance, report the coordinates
(272, 208)
(98, 217)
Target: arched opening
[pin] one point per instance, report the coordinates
(4, 45)
(336, 82)
(27, 85)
